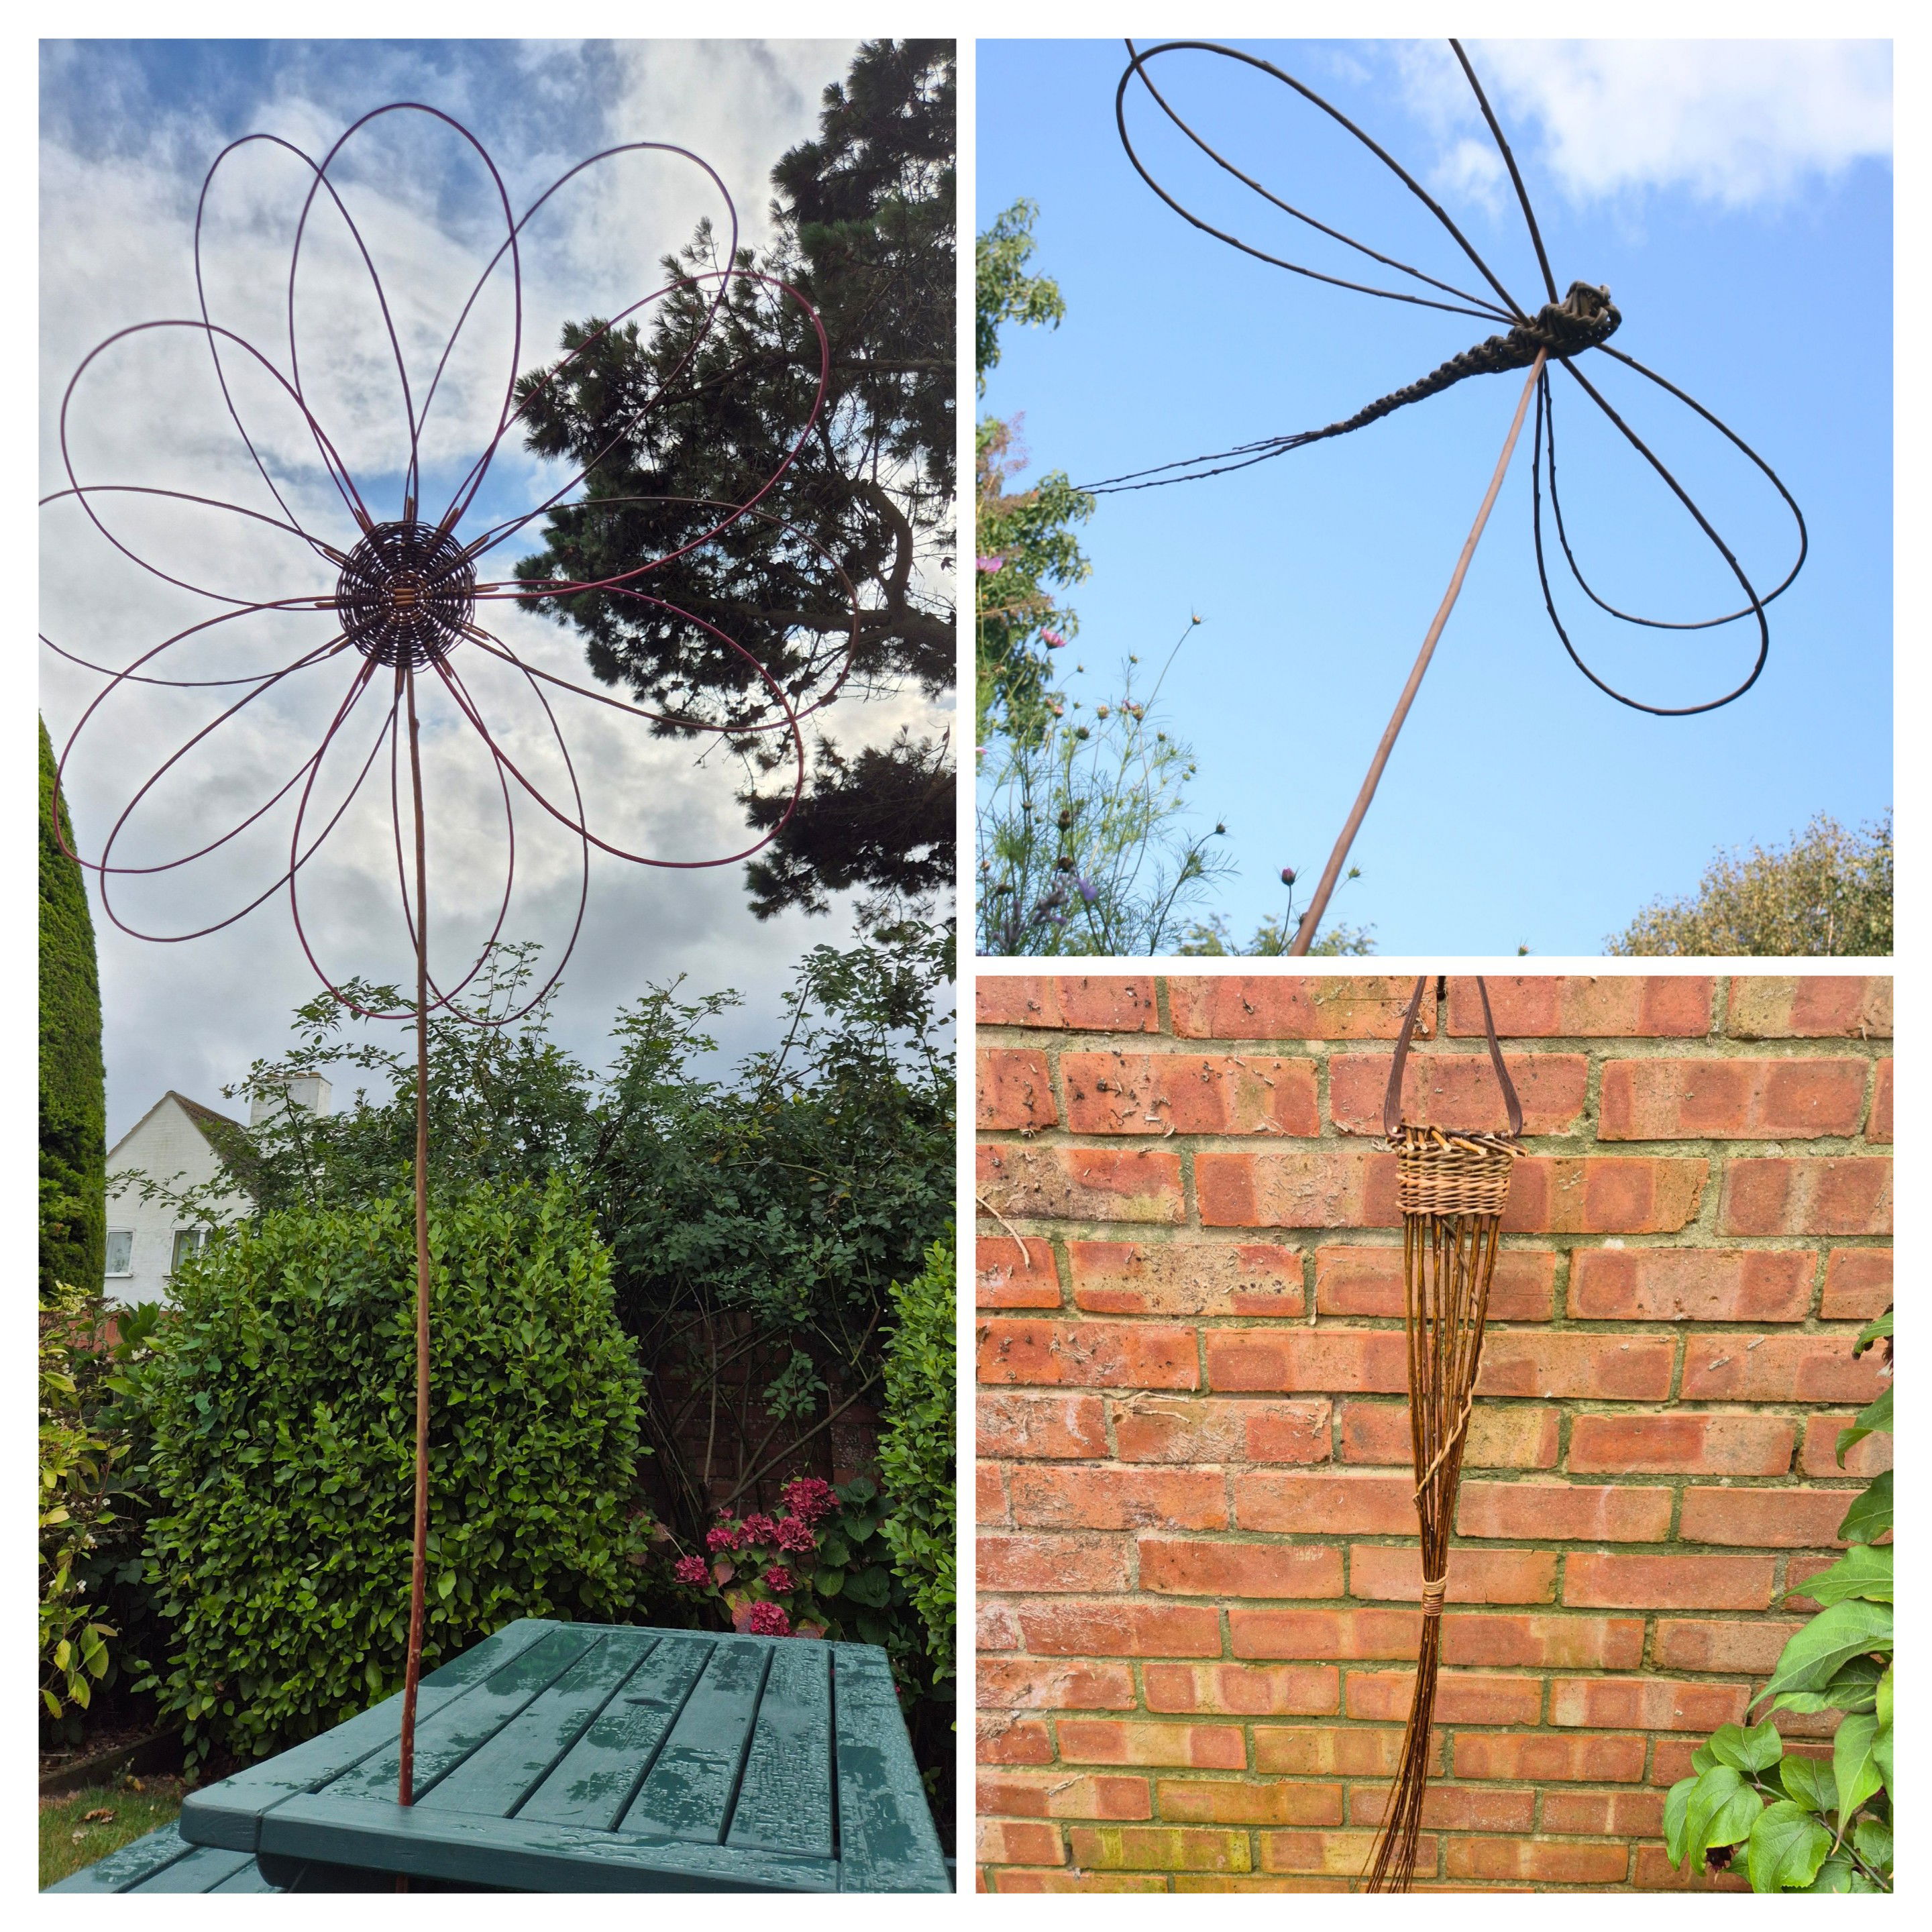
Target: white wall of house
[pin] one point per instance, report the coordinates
(165, 1144)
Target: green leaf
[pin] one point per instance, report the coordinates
(1833, 1875)
(1871, 1839)
(1871, 1332)
(1874, 1419)
(1701, 1759)
(872, 1587)
(1854, 1688)
(1809, 1783)
(1816, 1653)
(1882, 1753)
(1715, 1815)
(1870, 1517)
(1862, 1571)
(1882, 1697)
(1676, 1805)
(1852, 1765)
(1787, 1847)
(445, 1584)
(1747, 1751)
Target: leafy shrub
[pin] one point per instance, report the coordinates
(917, 1449)
(1808, 1825)
(284, 1412)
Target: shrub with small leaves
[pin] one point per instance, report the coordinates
(1807, 1824)
(282, 1406)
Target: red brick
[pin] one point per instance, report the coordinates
(1036, 1879)
(1053, 1794)
(1186, 1278)
(1013, 1089)
(1092, 1354)
(1604, 1814)
(1764, 1519)
(1615, 1368)
(1009, 1276)
(1104, 1628)
(1383, 1572)
(1462, 1697)
(1376, 1361)
(1005, 1842)
(1610, 1007)
(997, 1628)
(1596, 1194)
(1564, 1642)
(1540, 1759)
(990, 1507)
(1868, 1458)
(1106, 1003)
(1342, 1853)
(1857, 1284)
(1778, 1368)
(1368, 1281)
(1828, 1006)
(1315, 1751)
(1199, 1569)
(1244, 1690)
(1317, 1633)
(1712, 1644)
(1321, 1186)
(1035, 1683)
(1459, 1089)
(1077, 1184)
(1091, 1498)
(1062, 1563)
(1695, 1443)
(1452, 1807)
(1177, 1428)
(1730, 1100)
(1844, 1195)
(1564, 1512)
(1644, 1703)
(1120, 1093)
(1116, 1741)
(1003, 1738)
(1691, 1284)
(1345, 1504)
(1218, 1802)
(1618, 1581)
(1017, 1422)
(1298, 1006)
(1879, 1127)
(1502, 1436)
(1540, 1860)
(1158, 1848)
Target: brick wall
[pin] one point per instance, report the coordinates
(1197, 1564)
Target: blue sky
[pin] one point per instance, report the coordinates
(127, 131)
(1736, 199)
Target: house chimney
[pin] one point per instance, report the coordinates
(310, 1092)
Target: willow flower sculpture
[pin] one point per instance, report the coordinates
(381, 626)
(1564, 330)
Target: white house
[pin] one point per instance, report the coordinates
(169, 1144)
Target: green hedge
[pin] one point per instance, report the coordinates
(917, 1449)
(73, 1091)
(283, 1407)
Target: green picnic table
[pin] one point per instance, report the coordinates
(589, 1757)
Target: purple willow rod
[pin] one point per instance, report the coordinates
(1304, 934)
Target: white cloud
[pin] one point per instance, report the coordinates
(1739, 122)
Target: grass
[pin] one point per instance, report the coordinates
(70, 1839)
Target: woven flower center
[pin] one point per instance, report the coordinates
(406, 593)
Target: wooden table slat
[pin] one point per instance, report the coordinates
(784, 1804)
(123, 1870)
(887, 1840)
(228, 1814)
(592, 1785)
(500, 1773)
(688, 1792)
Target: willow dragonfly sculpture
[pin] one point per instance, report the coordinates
(1563, 330)
(382, 627)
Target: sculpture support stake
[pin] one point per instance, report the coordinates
(1304, 934)
(412, 1666)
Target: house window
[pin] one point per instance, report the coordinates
(187, 1240)
(120, 1251)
